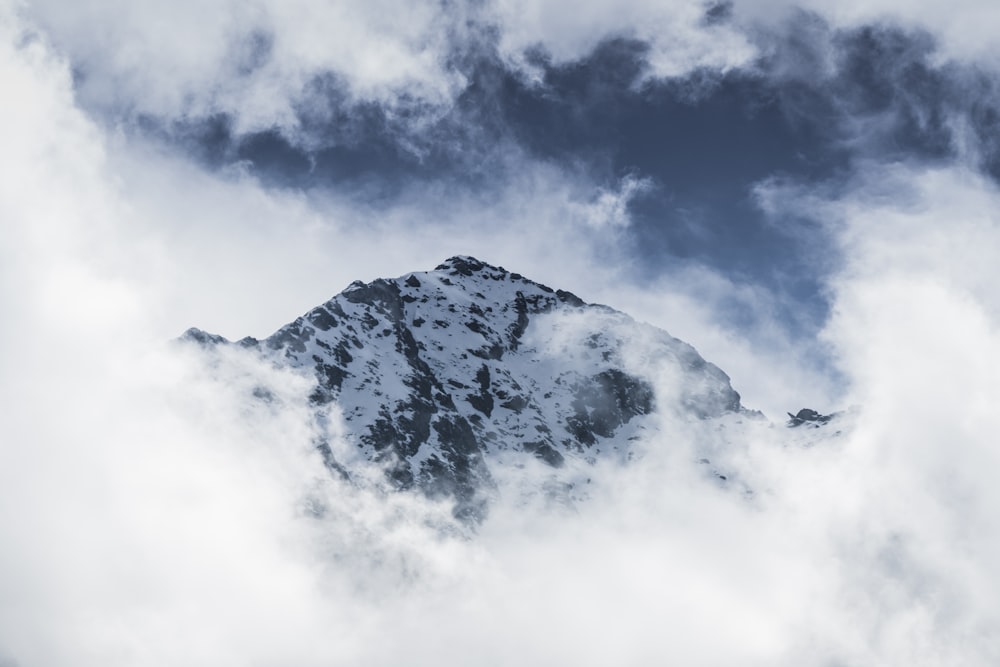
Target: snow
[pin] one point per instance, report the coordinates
(430, 357)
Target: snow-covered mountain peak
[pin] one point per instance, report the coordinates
(443, 375)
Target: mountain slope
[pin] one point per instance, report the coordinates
(443, 375)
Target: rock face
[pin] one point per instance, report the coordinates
(807, 416)
(440, 374)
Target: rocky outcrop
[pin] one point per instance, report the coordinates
(808, 417)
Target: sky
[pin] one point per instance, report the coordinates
(807, 192)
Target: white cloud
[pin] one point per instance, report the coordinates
(270, 64)
(773, 371)
(680, 40)
(915, 323)
(255, 61)
(152, 515)
(962, 28)
(610, 206)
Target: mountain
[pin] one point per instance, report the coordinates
(443, 376)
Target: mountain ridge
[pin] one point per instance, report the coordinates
(442, 375)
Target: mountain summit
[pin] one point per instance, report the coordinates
(443, 375)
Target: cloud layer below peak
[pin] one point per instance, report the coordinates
(151, 516)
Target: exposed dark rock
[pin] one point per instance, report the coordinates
(322, 319)
(807, 416)
(493, 352)
(381, 293)
(545, 452)
(606, 401)
(520, 325)
(202, 337)
(464, 266)
(569, 298)
(483, 401)
(516, 404)
(292, 337)
(332, 377)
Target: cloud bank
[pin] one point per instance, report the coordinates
(153, 513)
